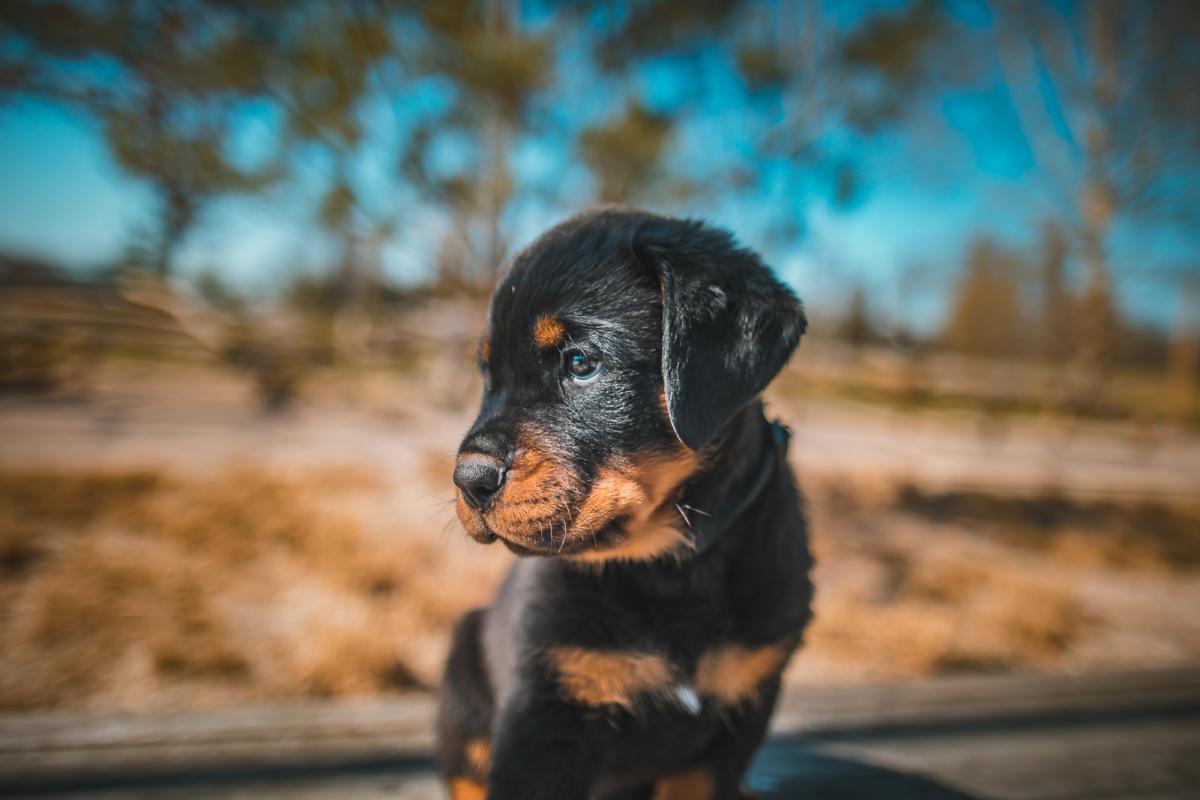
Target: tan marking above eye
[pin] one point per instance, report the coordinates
(548, 332)
(692, 784)
(599, 678)
(732, 673)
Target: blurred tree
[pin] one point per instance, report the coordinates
(497, 68)
(811, 83)
(1107, 100)
(985, 317)
(625, 152)
(319, 71)
(472, 83)
(651, 28)
(1055, 304)
(837, 85)
(855, 327)
(165, 80)
(1183, 357)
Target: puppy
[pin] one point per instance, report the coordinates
(621, 446)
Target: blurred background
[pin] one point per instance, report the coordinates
(245, 251)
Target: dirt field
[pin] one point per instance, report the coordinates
(163, 543)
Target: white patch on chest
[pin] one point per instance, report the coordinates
(687, 698)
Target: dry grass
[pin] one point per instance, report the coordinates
(915, 582)
(1143, 534)
(150, 589)
(144, 588)
(901, 612)
(943, 616)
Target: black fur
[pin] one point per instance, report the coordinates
(674, 312)
(727, 326)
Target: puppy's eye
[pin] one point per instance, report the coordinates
(579, 366)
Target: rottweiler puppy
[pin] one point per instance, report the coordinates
(622, 448)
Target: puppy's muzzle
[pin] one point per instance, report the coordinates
(479, 477)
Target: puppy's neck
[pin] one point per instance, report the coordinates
(707, 510)
(735, 464)
(734, 473)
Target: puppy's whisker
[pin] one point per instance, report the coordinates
(564, 541)
(591, 526)
(683, 514)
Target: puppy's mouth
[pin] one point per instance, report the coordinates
(621, 538)
(548, 542)
(556, 537)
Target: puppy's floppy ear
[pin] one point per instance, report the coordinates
(728, 324)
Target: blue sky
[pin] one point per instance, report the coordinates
(963, 169)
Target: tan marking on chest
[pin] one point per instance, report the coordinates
(599, 678)
(548, 332)
(692, 784)
(732, 673)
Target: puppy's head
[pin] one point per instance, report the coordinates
(619, 345)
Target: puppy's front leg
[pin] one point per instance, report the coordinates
(717, 773)
(545, 748)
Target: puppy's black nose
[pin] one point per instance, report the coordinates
(480, 478)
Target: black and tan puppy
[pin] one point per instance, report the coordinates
(621, 440)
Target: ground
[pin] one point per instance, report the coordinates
(164, 543)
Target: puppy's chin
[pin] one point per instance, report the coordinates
(525, 538)
(473, 522)
(616, 541)
(557, 543)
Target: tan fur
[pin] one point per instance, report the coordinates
(532, 502)
(663, 405)
(597, 678)
(485, 349)
(637, 489)
(646, 544)
(732, 673)
(548, 332)
(614, 491)
(531, 472)
(692, 784)
(467, 789)
(537, 505)
(469, 517)
(479, 756)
